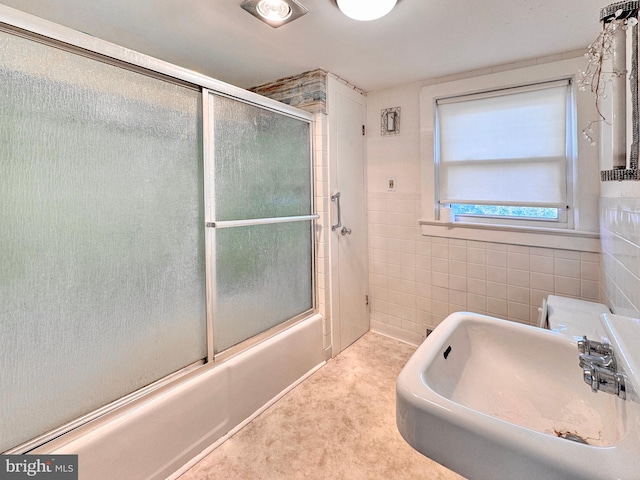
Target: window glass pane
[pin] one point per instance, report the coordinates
(262, 278)
(506, 211)
(102, 286)
(262, 162)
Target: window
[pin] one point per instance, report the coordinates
(502, 156)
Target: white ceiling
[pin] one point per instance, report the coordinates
(419, 39)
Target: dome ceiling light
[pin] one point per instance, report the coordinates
(274, 13)
(365, 10)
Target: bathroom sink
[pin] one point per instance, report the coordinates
(489, 398)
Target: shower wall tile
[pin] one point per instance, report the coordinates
(415, 281)
(321, 203)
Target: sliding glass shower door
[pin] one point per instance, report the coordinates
(148, 225)
(102, 258)
(260, 219)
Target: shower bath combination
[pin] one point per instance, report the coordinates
(146, 297)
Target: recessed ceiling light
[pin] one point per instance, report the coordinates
(274, 13)
(274, 9)
(366, 9)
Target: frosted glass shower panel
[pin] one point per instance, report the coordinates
(102, 275)
(262, 233)
(262, 162)
(263, 278)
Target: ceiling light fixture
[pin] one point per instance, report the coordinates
(366, 9)
(274, 9)
(274, 13)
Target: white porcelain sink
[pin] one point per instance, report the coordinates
(489, 398)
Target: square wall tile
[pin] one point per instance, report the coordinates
(567, 286)
(497, 307)
(518, 278)
(518, 261)
(497, 274)
(542, 264)
(476, 255)
(567, 267)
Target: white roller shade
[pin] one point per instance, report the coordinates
(506, 148)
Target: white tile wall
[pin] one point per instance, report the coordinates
(321, 177)
(620, 236)
(416, 281)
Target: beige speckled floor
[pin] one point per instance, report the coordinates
(338, 424)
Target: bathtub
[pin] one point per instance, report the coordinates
(162, 435)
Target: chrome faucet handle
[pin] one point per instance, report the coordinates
(583, 345)
(590, 375)
(598, 364)
(621, 386)
(604, 349)
(584, 362)
(601, 379)
(603, 361)
(589, 347)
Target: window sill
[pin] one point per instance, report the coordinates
(515, 235)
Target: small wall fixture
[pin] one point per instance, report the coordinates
(274, 13)
(366, 9)
(390, 121)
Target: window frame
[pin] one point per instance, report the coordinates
(584, 234)
(563, 220)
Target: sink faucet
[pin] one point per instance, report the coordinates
(590, 347)
(602, 379)
(599, 368)
(604, 361)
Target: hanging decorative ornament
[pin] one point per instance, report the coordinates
(609, 71)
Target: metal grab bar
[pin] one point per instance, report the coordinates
(259, 221)
(336, 198)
